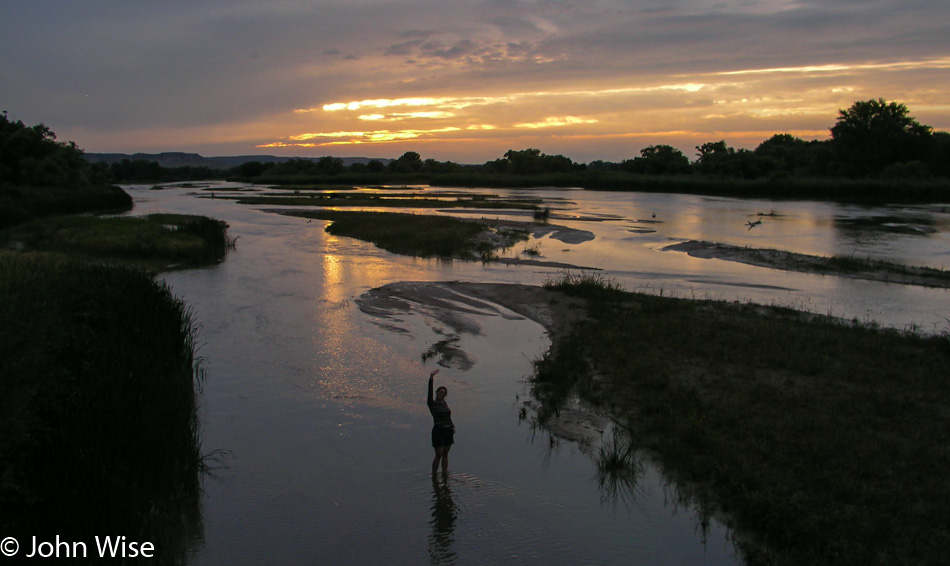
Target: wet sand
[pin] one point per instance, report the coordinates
(452, 304)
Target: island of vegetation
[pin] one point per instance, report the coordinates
(98, 373)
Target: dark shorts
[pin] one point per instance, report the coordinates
(442, 436)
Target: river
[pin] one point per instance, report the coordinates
(314, 410)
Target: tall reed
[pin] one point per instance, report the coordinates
(99, 426)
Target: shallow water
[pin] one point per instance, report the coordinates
(316, 408)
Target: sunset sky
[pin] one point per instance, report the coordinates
(462, 81)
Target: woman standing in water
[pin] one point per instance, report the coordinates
(443, 430)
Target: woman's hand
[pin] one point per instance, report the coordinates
(433, 373)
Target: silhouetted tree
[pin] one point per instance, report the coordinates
(523, 162)
(129, 171)
(409, 162)
(433, 166)
(711, 156)
(783, 154)
(601, 165)
(872, 135)
(533, 162)
(375, 166)
(496, 166)
(329, 165)
(658, 160)
(31, 156)
(253, 168)
(938, 155)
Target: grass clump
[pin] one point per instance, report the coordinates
(586, 284)
(619, 468)
(825, 441)
(542, 214)
(98, 427)
(154, 241)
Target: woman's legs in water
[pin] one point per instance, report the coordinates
(445, 458)
(441, 455)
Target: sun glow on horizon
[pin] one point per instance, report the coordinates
(935, 63)
(736, 105)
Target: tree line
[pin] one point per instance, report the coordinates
(39, 175)
(872, 139)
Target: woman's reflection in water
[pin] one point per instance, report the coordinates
(444, 513)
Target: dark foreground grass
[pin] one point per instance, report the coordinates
(411, 234)
(98, 428)
(156, 241)
(825, 443)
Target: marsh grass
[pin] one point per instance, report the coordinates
(826, 441)
(154, 241)
(586, 284)
(533, 251)
(410, 234)
(98, 427)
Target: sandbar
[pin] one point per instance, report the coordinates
(791, 261)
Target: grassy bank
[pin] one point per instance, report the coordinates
(416, 235)
(18, 204)
(826, 443)
(98, 430)
(155, 242)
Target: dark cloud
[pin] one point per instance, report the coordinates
(405, 48)
(461, 48)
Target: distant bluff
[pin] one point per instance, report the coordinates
(172, 159)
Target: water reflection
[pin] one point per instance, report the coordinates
(297, 365)
(444, 514)
(619, 468)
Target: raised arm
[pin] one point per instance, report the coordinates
(431, 397)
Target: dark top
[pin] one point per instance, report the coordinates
(441, 413)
